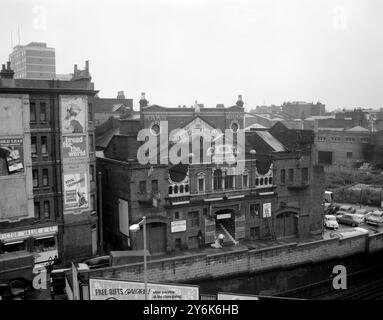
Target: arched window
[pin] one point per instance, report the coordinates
(186, 188)
(270, 180)
(181, 188)
(261, 181)
(175, 189)
(170, 189)
(257, 182)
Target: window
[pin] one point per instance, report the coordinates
(90, 111)
(256, 181)
(32, 110)
(229, 182)
(143, 186)
(291, 175)
(177, 243)
(305, 175)
(92, 202)
(176, 215)
(154, 186)
(321, 138)
(245, 181)
(349, 139)
(364, 140)
(91, 172)
(201, 184)
(43, 112)
(35, 175)
(335, 139)
(34, 146)
(349, 155)
(91, 145)
(193, 218)
(46, 209)
(37, 209)
(44, 145)
(217, 180)
(254, 232)
(45, 178)
(170, 190)
(254, 210)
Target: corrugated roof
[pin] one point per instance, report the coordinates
(271, 141)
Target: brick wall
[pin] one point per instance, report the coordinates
(202, 266)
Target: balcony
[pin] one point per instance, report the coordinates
(148, 199)
(297, 185)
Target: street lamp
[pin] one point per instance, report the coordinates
(134, 228)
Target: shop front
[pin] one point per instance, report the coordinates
(41, 242)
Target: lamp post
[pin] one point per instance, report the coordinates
(134, 228)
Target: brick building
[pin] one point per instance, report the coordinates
(48, 190)
(277, 195)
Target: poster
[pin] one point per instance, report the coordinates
(11, 156)
(75, 191)
(73, 114)
(102, 289)
(267, 210)
(178, 226)
(74, 147)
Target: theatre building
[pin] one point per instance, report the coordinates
(47, 167)
(187, 205)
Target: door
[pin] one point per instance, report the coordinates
(286, 225)
(157, 238)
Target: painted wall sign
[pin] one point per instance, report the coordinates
(11, 156)
(74, 147)
(178, 226)
(101, 289)
(74, 111)
(19, 235)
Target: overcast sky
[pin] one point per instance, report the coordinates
(181, 51)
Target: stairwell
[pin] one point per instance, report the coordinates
(228, 237)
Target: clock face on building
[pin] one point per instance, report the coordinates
(155, 129)
(234, 127)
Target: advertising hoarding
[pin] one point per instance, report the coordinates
(76, 190)
(11, 156)
(101, 289)
(74, 147)
(74, 111)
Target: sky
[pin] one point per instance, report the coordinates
(180, 51)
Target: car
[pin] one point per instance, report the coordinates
(362, 211)
(375, 218)
(330, 222)
(347, 208)
(98, 262)
(341, 213)
(332, 209)
(350, 219)
(352, 232)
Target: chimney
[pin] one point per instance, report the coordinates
(143, 102)
(7, 73)
(120, 95)
(87, 65)
(239, 103)
(75, 68)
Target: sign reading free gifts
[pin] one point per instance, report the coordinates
(101, 289)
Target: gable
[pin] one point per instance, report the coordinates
(196, 127)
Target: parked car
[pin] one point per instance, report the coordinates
(98, 262)
(375, 218)
(350, 219)
(332, 209)
(341, 213)
(362, 211)
(347, 208)
(348, 233)
(330, 222)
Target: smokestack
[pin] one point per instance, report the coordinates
(75, 68)
(120, 95)
(87, 65)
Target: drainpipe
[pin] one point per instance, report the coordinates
(100, 214)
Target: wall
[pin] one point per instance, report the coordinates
(207, 266)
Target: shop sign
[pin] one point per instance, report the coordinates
(28, 233)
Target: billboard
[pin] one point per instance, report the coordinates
(73, 114)
(235, 296)
(76, 190)
(74, 147)
(11, 156)
(101, 289)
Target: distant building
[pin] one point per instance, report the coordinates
(104, 108)
(33, 61)
(303, 110)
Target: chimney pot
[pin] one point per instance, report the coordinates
(8, 65)
(3, 66)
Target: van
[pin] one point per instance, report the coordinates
(328, 196)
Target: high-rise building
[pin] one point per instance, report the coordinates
(33, 61)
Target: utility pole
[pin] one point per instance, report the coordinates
(100, 218)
